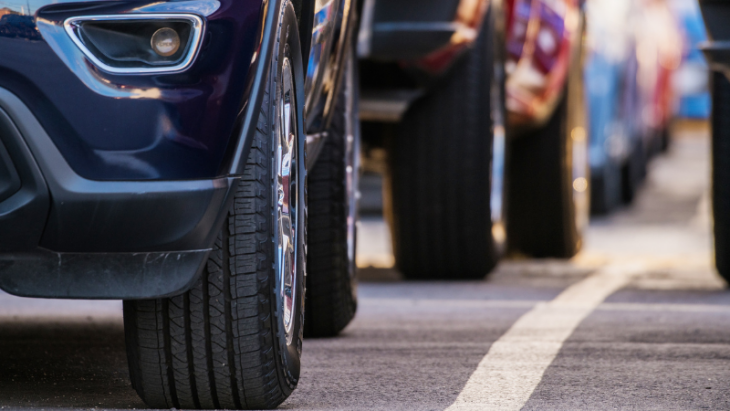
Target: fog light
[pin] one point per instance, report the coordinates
(165, 42)
(137, 43)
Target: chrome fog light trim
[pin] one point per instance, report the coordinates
(73, 26)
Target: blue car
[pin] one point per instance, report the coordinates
(631, 59)
(612, 94)
(160, 152)
(691, 83)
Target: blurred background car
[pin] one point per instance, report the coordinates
(659, 54)
(634, 50)
(717, 51)
(690, 82)
(612, 95)
(432, 80)
(478, 109)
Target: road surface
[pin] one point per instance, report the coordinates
(638, 321)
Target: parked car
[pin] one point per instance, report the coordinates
(154, 151)
(659, 53)
(610, 76)
(632, 55)
(486, 142)
(614, 103)
(717, 50)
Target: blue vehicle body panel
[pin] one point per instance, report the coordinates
(123, 127)
(694, 103)
(603, 84)
(612, 100)
(116, 186)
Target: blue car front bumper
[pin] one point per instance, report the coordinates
(115, 186)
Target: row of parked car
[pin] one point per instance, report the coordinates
(199, 159)
(579, 95)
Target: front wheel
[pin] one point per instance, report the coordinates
(548, 191)
(234, 340)
(333, 212)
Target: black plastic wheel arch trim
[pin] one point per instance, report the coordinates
(64, 236)
(255, 89)
(126, 276)
(115, 216)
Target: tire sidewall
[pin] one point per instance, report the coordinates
(289, 353)
(352, 87)
(578, 148)
(498, 111)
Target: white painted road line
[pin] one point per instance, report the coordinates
(437, 303)
(515, 363)
(676, 308)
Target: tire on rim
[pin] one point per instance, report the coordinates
(633, 172)
(548, 191)
(234, 340)
(331, 284)
(445, 169)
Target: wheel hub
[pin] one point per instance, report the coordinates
(287, 184)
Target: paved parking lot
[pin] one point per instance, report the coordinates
(636, 321)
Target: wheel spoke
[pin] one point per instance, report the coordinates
(286, 189)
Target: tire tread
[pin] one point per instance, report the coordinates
(214, 346)
(439, 172)
(721, 172)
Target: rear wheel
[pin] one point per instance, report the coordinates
(633, 171)
(234, 340)
(446, 170)
(548, 194)
(721, 172)
(606, 187)
(331, 283)
(665, 139)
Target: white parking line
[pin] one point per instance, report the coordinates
(389, 303)
(451, 303)
(676, 308)
(515, 363)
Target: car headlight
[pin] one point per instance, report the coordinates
(137, 43)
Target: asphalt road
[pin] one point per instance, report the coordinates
(638, 321)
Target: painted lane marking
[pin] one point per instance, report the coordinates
(439, 302)
(515, 363)
(675, 308)
(388, 303)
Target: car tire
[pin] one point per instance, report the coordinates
(331, 282)
(606, 188)
(234, 340)
(721, 172)
(633, 172)
(548, 191)
(665, 139)
(438, 185)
